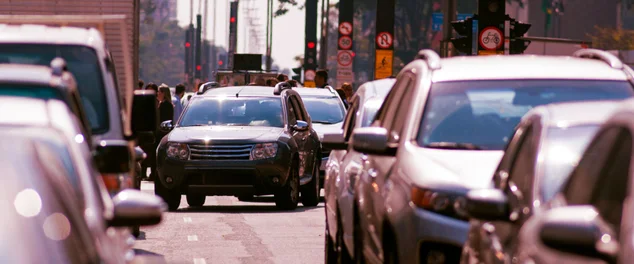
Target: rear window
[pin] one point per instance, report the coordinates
(483, 114)
(82, 62)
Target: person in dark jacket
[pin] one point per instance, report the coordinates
(166, 108)
(342, 95)
(150, 149)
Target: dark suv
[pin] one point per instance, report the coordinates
(240, 141)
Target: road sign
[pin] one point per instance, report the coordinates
(437, 20)
(491, 38)
(383, 64)
(344, 58)
(384, 40)
(309, 84)
(309, 75)
(345, 42)
(491, 52)
(345, 28)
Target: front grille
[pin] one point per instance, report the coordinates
(220, 152)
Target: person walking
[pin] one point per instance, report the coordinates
(282, 77)
(271, 82)
(166, 108)
(141, 83)
(342, 95)
(347, 88)
(321, 78)
(176, 101)
(150, 149)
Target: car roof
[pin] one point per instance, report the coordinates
(576, 113)
(26, 74)
(378, 88)
(23, 111)
(524, 67)
(30, 33)
(263, 91)
(309, 92)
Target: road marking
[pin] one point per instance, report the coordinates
(192, 238)
(187, 219)
(199, 261)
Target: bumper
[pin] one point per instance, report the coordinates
(220, 177)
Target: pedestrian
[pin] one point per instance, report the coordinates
(282, 77)
(347, 88)
(292, 83)
(152, 86)
(342, 95)
(321, 78)
(271, 82)
(176, 101)
(141, 83)
(166, 108)
(150, 149)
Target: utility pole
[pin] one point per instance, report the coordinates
(450, 15)
(323, 44)
(269, 33)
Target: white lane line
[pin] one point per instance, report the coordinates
(192, 238)
(187, 219)
(199, 261)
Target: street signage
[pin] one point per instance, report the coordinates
(438, 19)
(344, 58)
(345, 28)
(491, 38)
(309, 75)
(345, 42)
(383, 64)
(491, 52)
(384, 40)
(310, 84)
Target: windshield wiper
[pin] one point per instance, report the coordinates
(453, 145)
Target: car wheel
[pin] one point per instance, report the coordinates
(195, 200)
(288, 196)
(343, 255)
(171, 198)
(310, 191)
(331, 252)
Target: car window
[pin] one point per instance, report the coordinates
(82, 62)
(391, 99)
(351, 117)
(561, 150)
(31, 91)
(222, 111)
(299, 111)
(292, 113)
(484, 113)
(369, 112)
(389, 114)
(521, 174)
(324, 110)
(401, 112)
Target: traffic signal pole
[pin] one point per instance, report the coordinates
(450, 11)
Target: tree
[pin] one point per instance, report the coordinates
(612, 39)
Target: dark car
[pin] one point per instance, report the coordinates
(241, 141)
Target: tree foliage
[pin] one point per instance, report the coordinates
(612, 39)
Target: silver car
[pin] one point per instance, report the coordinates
(343, 167)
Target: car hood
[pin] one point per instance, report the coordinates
(224, 133)
(467, 168)
(322, 129)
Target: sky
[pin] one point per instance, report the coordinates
(288, 30)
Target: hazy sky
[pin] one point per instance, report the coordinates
(288, 30)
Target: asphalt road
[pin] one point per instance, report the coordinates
(226, 230)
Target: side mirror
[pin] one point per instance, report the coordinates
(300, 126)
(579, 230)
(166, 126)
(113, 157)
(136, 208)
(488, 205)
(371, 140)
(144, 112)
(334, 141)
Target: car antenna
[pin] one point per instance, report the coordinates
(238, 93)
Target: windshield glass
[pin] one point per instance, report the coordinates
(483, 114)
(82, 62)
(30, 91)
(562, 151)
(324, 110)
(225, 111)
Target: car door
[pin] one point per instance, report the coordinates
(301, 137)
(337, 162)
(377, 168)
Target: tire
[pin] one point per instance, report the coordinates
(196, 200)
(310, 191)
(287, 197)
(330, 250)
(343, 256)
(171, 198)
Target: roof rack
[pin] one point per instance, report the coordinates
(58, 66)
(281, 86)
(430, 57)
(596, 54)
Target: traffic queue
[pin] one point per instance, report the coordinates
(487, 159)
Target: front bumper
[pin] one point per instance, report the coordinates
(224, 177)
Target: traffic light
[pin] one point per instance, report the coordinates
(491, 18)
(297, 70)
(463, 43)
(518, 29)
(199, 47)
(310, 51)
(189, 53)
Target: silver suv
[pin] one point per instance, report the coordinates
(442, 131)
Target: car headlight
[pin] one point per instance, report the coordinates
(264, 151)
(178, 151)
(442, 202)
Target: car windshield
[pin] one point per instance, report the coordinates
(561, 153)
(31, 91)
(483, 114)
(245, 111)
(324, 110)
(82, 62)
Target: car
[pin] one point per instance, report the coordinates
(543, 151)
(51, 123)
(442, 131)
(342, 169)
(326, 112)
(590, 217)
(240, 141)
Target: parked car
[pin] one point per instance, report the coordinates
(441, 132)
(342, 169)
(544, 149)
(241, 141)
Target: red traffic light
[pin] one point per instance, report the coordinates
(198, 68)
(220, 62)
(232, 19)
(311, 45)
(187, 45)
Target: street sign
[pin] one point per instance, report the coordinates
(309, 84)
(383, 64)
(345, 42)
(384, 40)
(309, 75)
(491, 38)
(344, 58)
(345, 28)
(491, 52)
(437, 20)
